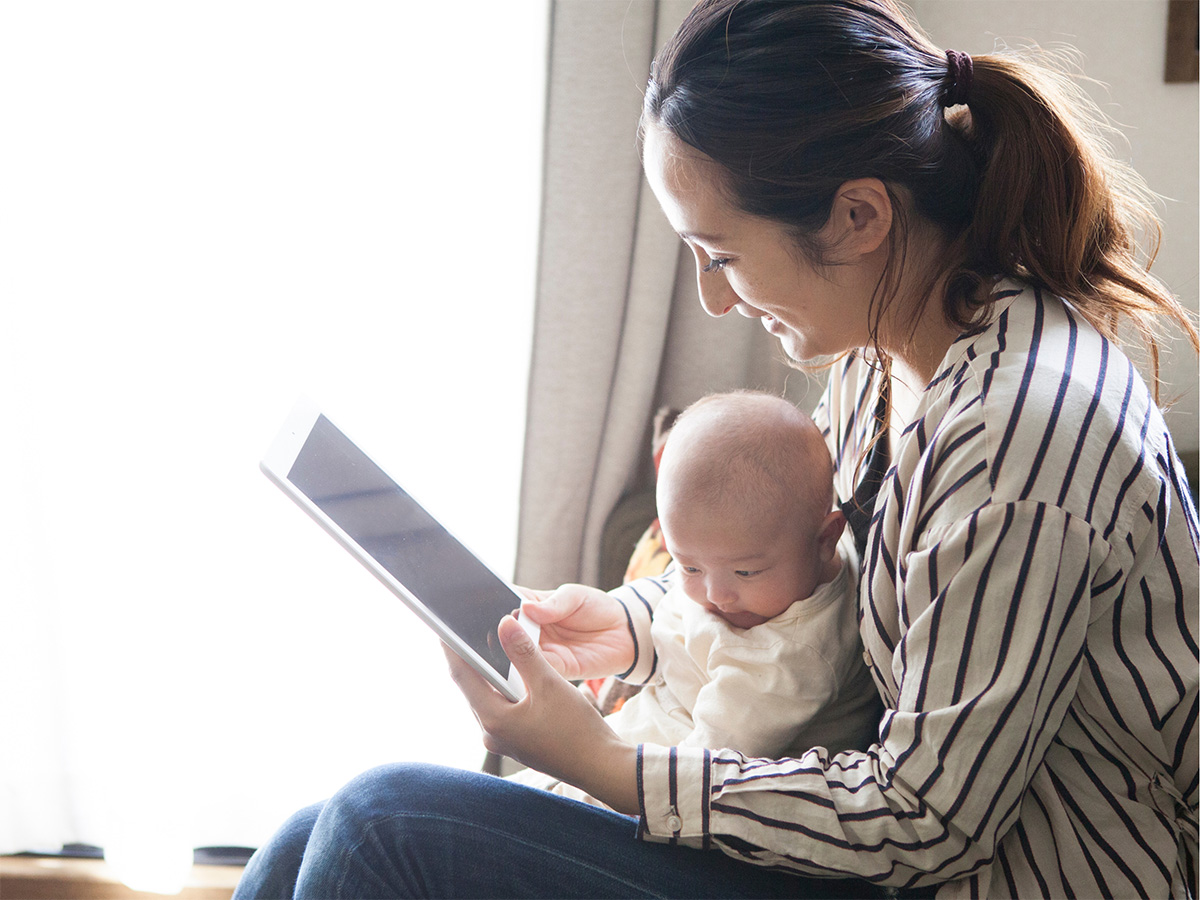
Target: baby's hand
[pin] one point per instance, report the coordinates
(585, 632)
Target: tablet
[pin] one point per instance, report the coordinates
(391, 534)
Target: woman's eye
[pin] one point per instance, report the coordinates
(689, 570)
(717, 264)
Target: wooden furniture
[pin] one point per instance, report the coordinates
(55, 877)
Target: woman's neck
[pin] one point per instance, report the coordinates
(918, 362)
(918, 334)
(915, 365)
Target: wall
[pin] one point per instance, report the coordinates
(1123, 45)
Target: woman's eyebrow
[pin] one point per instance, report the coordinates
(703, 238)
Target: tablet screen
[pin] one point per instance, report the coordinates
(404, 539)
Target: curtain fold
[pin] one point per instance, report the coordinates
(606, 264)
(616, 297)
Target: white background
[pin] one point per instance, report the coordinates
(207, 209)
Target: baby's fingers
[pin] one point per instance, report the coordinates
(531, 595)
(549, 607)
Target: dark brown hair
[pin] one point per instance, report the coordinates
(793, 99)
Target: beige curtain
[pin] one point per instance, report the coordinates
(618, 328)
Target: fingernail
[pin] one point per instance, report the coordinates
(521, 638)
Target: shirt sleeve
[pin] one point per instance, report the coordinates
(640, 598)
(986, 671)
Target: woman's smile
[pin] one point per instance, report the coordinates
(754, 265)
(770, 323)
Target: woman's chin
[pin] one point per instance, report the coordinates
(804, 356)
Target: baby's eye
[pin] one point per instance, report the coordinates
(747, 573)
(717, 264)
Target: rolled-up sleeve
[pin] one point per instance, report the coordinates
(673, 793)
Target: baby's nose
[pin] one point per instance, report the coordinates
(721, 595)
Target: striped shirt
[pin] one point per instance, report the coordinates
(1028, 606)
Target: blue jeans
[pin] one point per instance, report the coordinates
(411, 830)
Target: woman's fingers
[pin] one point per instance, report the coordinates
(553, 729)
(478, 691)
(521, 651)
(524, 654)
(503, 722)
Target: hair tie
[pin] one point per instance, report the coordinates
(959, 88)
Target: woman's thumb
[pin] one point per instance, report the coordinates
(522, 650)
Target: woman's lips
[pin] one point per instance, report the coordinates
(769, 322)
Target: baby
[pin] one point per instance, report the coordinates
(756, 637)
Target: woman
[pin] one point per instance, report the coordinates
(952, 231)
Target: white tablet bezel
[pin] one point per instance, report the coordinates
(277, 463)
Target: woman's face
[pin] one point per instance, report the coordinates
(751, 264)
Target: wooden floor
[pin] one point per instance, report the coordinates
(52, 878)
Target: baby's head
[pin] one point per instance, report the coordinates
(745, 501)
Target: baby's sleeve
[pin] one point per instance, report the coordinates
(640, 598)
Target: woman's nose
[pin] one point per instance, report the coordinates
(716, 296)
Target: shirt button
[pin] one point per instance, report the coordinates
(867, 658)
(675, 823)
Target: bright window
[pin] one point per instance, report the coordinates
(208, 209)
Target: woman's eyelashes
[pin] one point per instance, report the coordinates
(716, 264)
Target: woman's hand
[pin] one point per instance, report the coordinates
(553, 728)
(585, 632)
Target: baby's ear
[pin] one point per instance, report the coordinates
(831, 532)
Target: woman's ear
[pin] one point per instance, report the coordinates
(860, 219)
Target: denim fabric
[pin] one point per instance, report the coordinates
(410, 830)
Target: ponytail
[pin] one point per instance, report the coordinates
(1055, 206)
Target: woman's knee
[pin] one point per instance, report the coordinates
(396, 788)
(383, 833)
(272, 870)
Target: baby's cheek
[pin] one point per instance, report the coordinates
(767, 603)
(694, 592)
